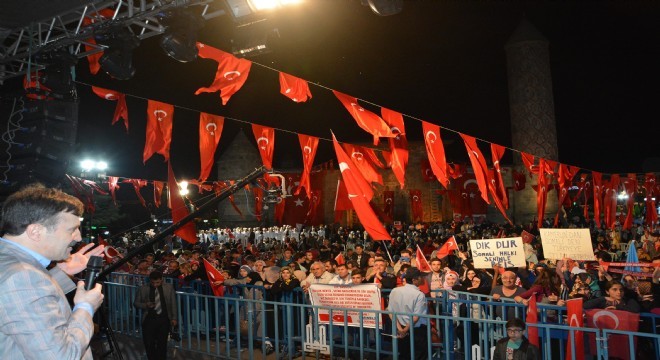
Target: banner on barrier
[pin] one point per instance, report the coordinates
(361, 297)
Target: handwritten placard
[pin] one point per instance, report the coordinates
(574, 244)
(505, 252)
(360, 298)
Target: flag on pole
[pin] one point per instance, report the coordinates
(215, 276)
(422, 264)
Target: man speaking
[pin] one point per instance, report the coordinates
(39, 225)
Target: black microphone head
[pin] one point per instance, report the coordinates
(95, 262)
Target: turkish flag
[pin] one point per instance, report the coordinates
(630, 185)
(342, 203)
(258, 201)
(564, 180)
(359, 157)
(427, 172)
(265, 137)
(314, 217)
(611, 201)
(294, 88)
(527, 237)
(446, 248)
(219, 186)
(473, 204)
(492, 187)
(340, 259)
(398, 144)
(650, 186)
(367, 120)
(598, 195)
(159, 130)
(214, 275)
(388, 204)
(158, 192)
(179, 210)
(456, 171)
(279, 211)
(422, 264)
(360, 193)
(137, 185)
(416, 205)
(528, 160)
(435, 151)
(532, 318)
(519, 180)
(231, 74)
(497, 152)
(478, 165)
(210, 130)
(616, 320)
(308, 145)
(575, 319)
(121, 110)
(112, 187)
(541, 192)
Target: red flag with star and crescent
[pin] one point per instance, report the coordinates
(158, 192)
(492, 187)
(179, 210)
(478, 165)
(615, 320)
(630, 186)
(598, 195)
(360, 158)
(294, 88)
(230, 76)
(497, 152)
(519, 180)
(532, 318)
(367, 120)
(422, 263)
(159, 130)
(446, 248)
(427, 172)
(94, 58)
(388, 204)
(314, 216)
(342, 202)
(435, 151)
(121, 110)
(308, 146)
(416, 205)
(265, 137)
(214, 275)
(360, 194)
(528, 160)
(651, 216)
(398, 144)
(575, 319)
(210, 130)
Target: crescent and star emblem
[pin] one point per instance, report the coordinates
(606, 314)
(415, 198)
(428, 138)
(395, 130)
(427, 172)
(160, 114)
(263, 139)
(352, 196)
(388, 200)
(288, 91)
(214, 126)
(307, 150)
(470, 181)
(357, 155)
(343, 166)
(110, 96)
(232, 75)
(357, 107)
(475, 154)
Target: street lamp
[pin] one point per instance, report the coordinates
(93, 168)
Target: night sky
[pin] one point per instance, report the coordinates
(439, 61)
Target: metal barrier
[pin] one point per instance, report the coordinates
(228, 326)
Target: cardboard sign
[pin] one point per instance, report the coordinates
(505, 252)
(362, 297)
(574, 244)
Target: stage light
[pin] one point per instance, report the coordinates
(385, 7)
(117, 59)
(87, 164)
(180, 40)
(245, 8)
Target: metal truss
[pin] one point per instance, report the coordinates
(20, 47)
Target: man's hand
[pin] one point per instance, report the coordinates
(78, 260)
(93, 297)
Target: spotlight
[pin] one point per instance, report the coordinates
(180, 40)
(117, 60)
(384, 7)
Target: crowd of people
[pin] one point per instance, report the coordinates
(284, 259)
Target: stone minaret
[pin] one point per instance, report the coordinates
(533, 127)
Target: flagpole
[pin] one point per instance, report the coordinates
(388, 254)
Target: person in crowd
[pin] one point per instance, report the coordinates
(515, 345)
(142, 268)
(546, 288)
(330, 266)
(357, 276)
(259, 267)
(382, 277)
(287, 258)
(158, 302)
(172, 270)
(317, 275)
(614, 300)
(342, 277)
(39, 225)
(409, 299)
(360, 256)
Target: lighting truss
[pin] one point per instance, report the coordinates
(19, 46)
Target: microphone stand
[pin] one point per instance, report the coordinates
(256, 173)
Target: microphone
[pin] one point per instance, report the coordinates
(94, 266)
